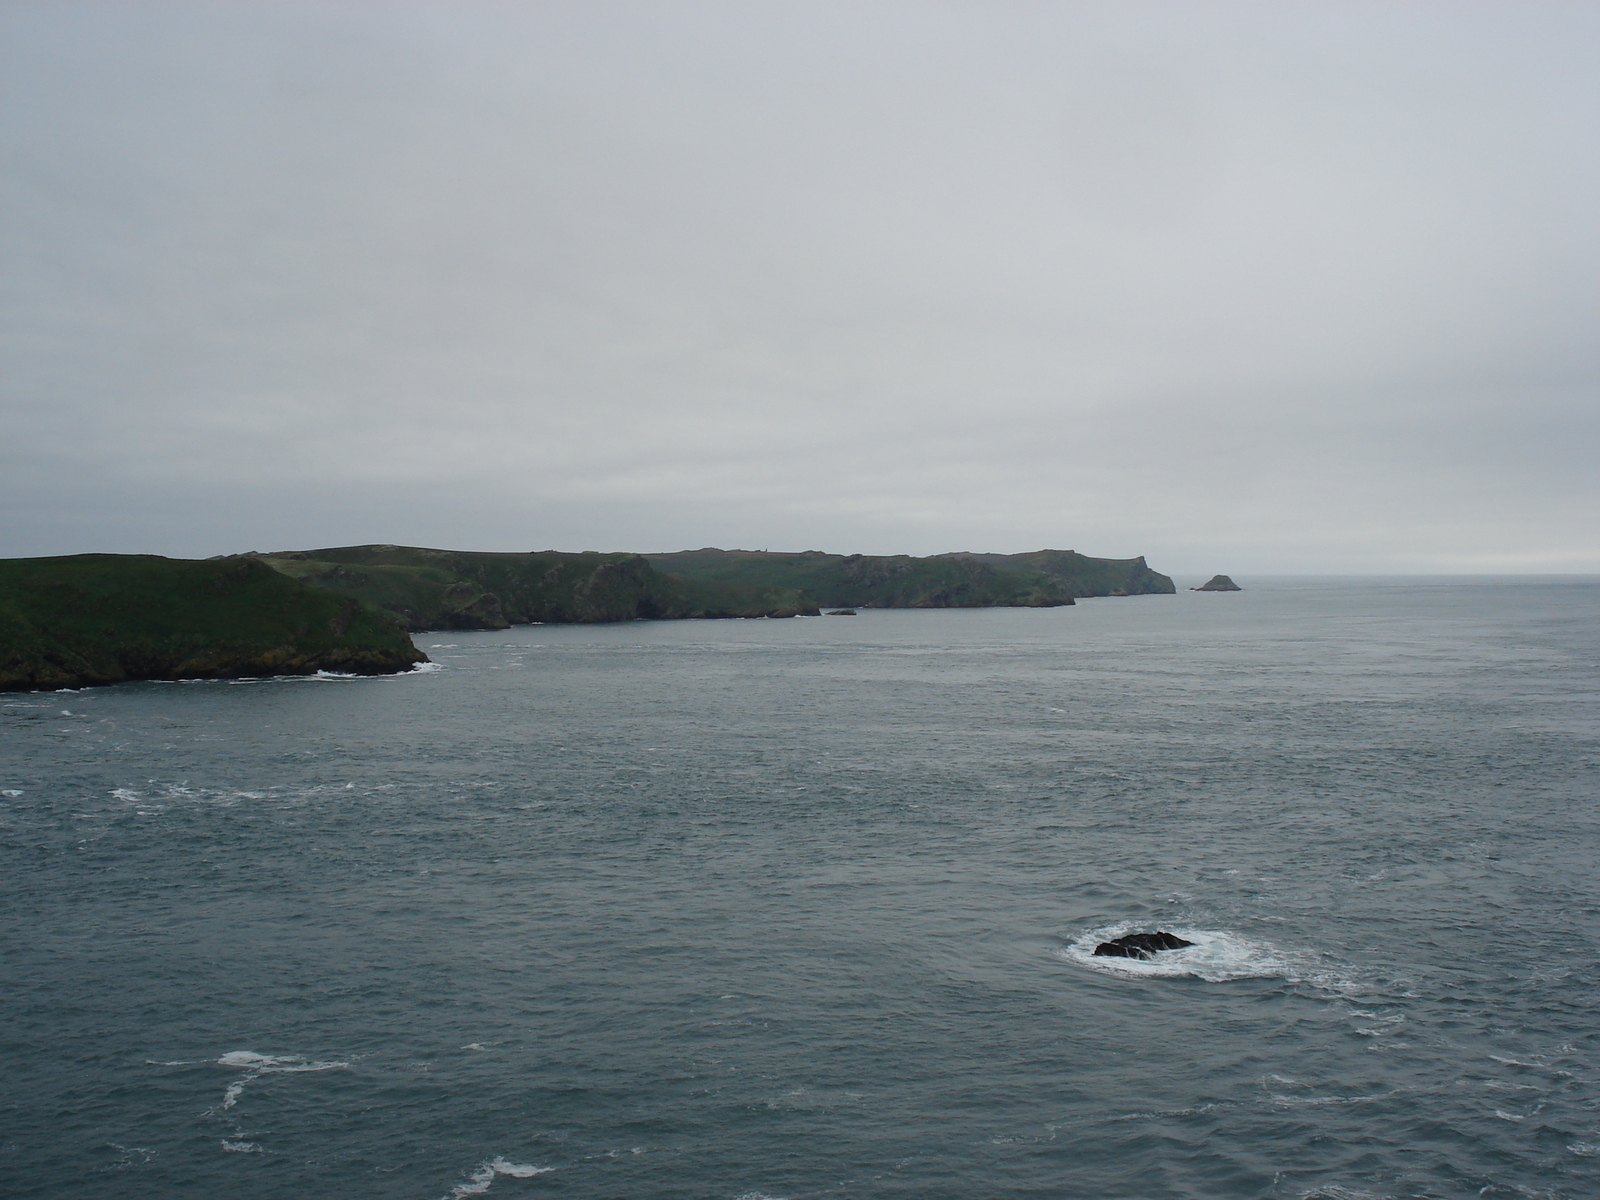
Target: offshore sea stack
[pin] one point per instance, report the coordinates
(1218, 583)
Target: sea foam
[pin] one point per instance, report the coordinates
(479, 1180)
(256, 1065)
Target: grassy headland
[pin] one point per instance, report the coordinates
(105, 618)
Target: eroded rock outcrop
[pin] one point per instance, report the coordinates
(1140, 945)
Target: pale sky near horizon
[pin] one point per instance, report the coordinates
(1242, 287)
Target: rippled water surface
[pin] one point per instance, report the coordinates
(804, 908)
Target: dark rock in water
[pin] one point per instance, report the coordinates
(1218, 583)
(1140, 945)
(842, 612)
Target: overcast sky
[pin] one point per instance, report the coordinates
(1271, 287)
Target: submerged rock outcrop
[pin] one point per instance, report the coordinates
(1140, 945)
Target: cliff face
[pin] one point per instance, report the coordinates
(1081, 575)
(1037, 579)
(861, 580)
(105, 618)
(459, 589)
(453, 589)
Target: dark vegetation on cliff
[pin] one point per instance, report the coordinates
(104, 618)
(459, 589)
(1042, 578)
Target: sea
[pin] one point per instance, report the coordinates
(791, 909)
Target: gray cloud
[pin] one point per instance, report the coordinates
(1246, 287)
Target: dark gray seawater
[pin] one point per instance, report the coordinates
(800, 909)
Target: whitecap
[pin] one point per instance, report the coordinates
(479, 1180)
(10, 793)
(1584, 1149)
(1216, 956)
(249, 1058)
(1156, 1114)
(256, 1065)
(241, 1147)
(306, 1066)
(1317, 1101)
(127, 1152)
(1517, 1062)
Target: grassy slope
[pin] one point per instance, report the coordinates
(457, 589)
(897, 581)
(103, 618)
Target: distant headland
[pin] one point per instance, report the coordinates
(105, 618)
(457, 589)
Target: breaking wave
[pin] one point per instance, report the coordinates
(478, 1181)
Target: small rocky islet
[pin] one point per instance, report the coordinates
(1218, 583)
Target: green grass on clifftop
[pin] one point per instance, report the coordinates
(105, 618)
